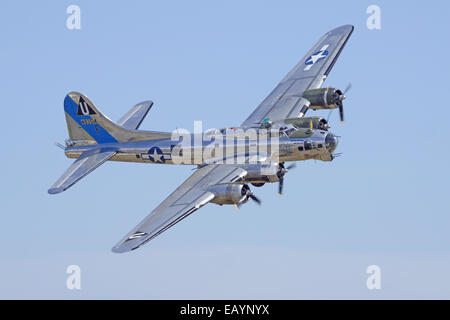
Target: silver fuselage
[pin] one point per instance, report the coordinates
(198, 151)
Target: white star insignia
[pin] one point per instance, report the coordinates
(316, 57)
(156, 156)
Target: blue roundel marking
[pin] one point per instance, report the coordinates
(316, 57)
(156, 155)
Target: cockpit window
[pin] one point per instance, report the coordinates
(289, 131)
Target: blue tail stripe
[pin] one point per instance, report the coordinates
(95, 130)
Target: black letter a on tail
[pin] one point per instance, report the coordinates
(83, 108)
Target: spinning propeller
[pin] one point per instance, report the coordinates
(247, 194)
(281, 172)
(339, 98)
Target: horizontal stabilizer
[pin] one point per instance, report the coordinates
(85, 164)
(133, 118)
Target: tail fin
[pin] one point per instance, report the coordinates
(86, 122)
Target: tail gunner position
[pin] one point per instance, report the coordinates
(220, 177)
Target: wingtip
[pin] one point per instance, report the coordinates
(121, 249)
(124, 247)
(346, 27)
(117, 250)
(55, 190)
(148, 103)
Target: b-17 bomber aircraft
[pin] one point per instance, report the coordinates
(275, 133)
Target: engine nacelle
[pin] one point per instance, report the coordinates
(229, 193)
(324, 98)
(262, 173)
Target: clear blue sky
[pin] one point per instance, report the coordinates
(385, 202)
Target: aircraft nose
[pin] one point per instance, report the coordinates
(331, 142)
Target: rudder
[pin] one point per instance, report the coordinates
(86, 122)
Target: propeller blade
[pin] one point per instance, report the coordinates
(341, 112)
(280, 186)
(340, 104)
(292, 166)
(329, 115)
(254, 198)
(349, 87)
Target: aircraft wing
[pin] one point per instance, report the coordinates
(85, 164)
(134, 117)
(187, 198)
(286, 101)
